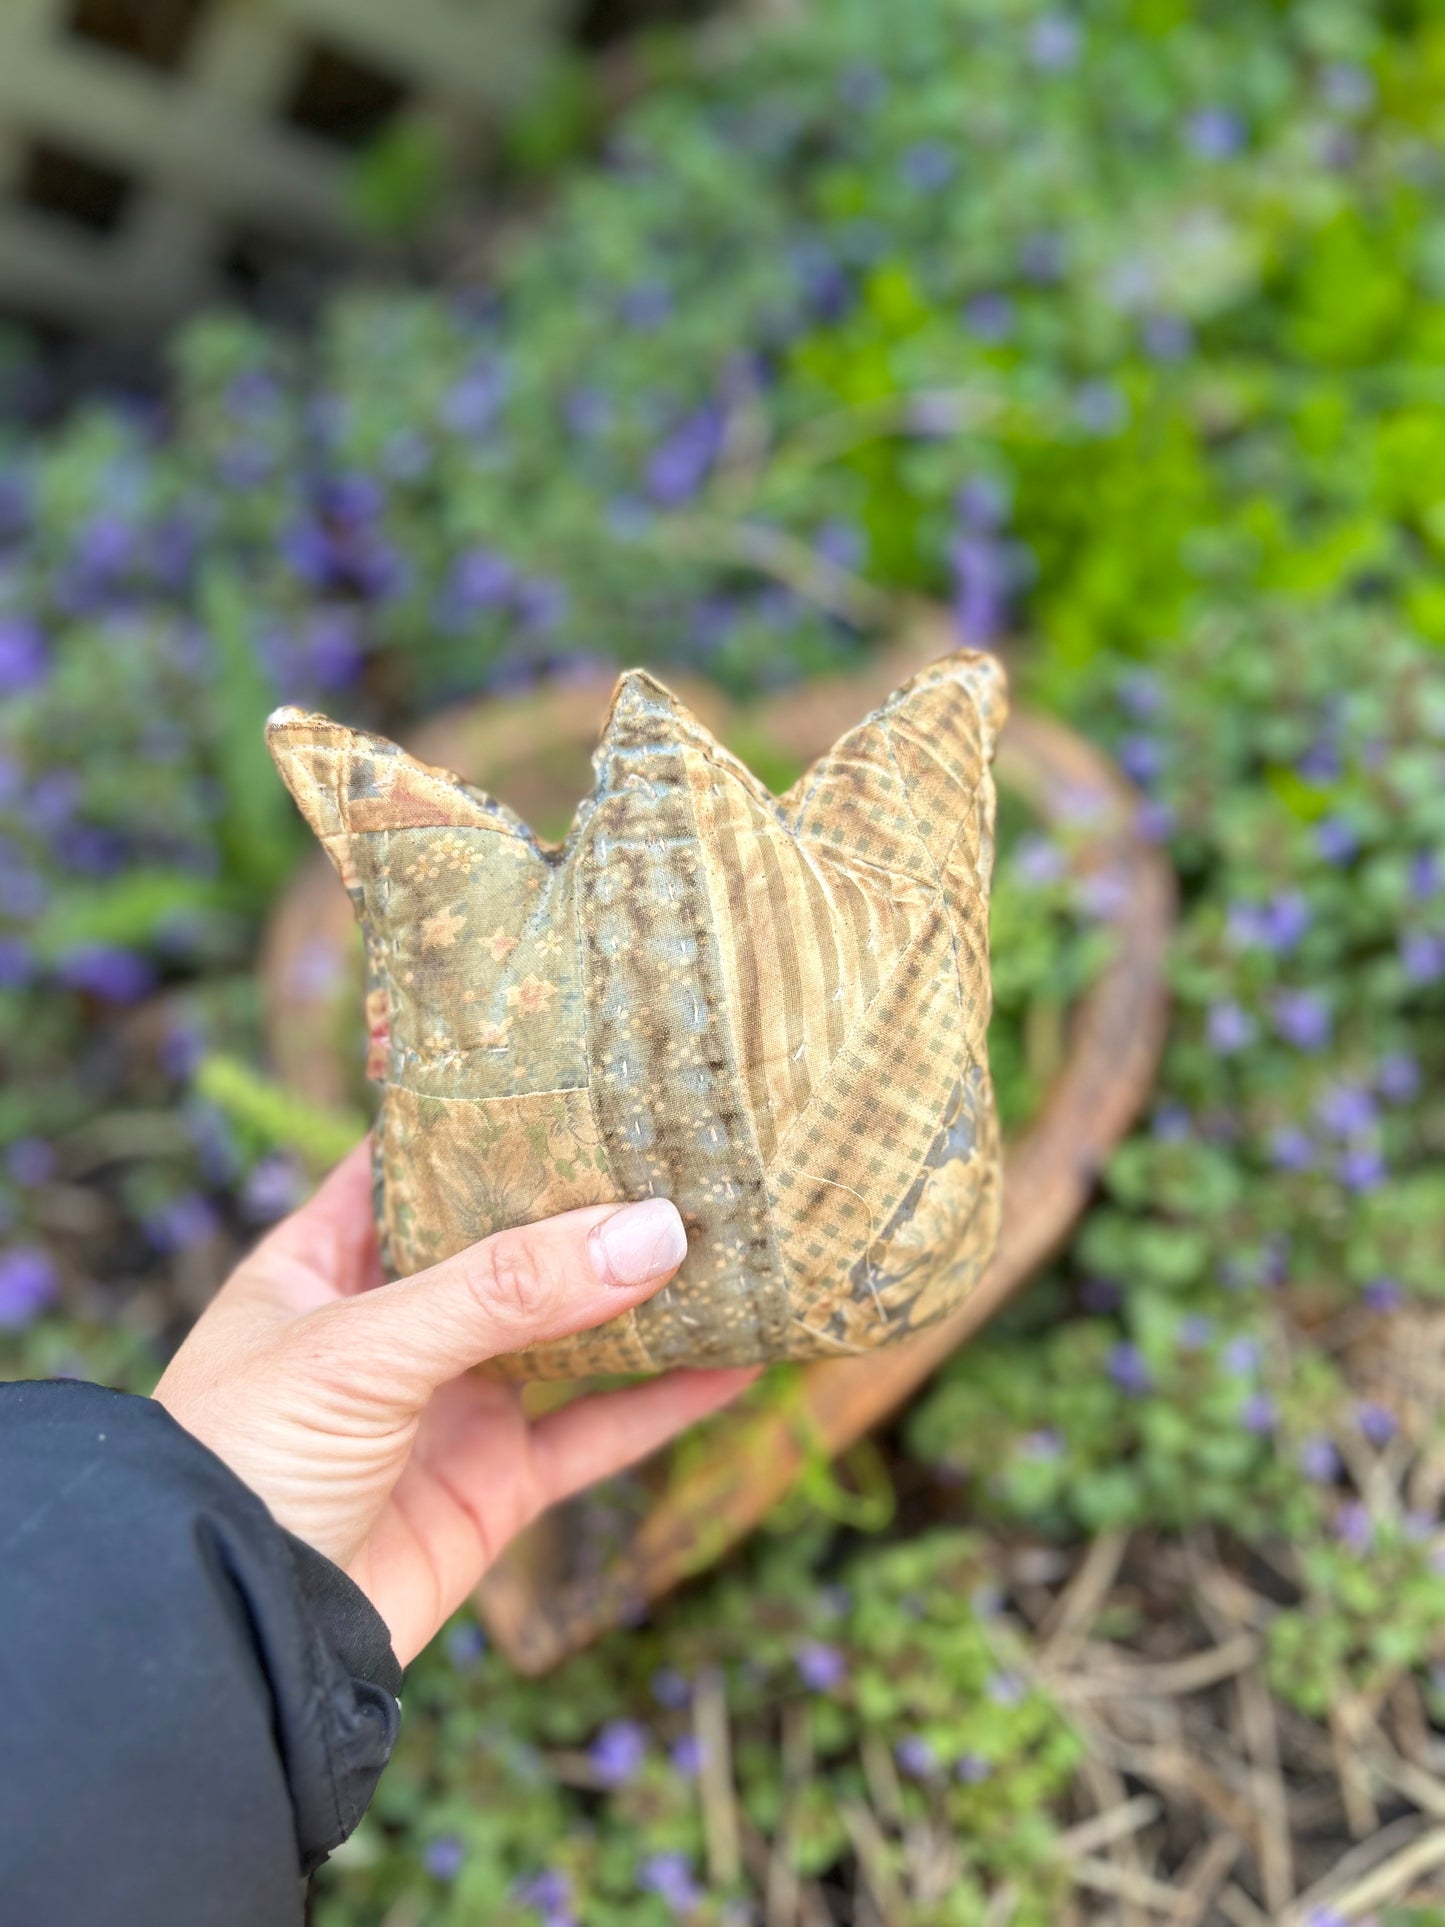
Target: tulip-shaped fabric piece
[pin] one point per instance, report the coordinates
(772, 1010)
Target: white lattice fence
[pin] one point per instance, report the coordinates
(139, 138)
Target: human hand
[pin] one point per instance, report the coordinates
(342, 1400)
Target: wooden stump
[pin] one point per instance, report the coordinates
(540, 1602)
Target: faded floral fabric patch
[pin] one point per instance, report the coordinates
(771, 1009)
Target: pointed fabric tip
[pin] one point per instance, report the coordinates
(647, 719)
(349, 781)
(643, 716)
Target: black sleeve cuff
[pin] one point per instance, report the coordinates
(198, 1706)
(353, 1679)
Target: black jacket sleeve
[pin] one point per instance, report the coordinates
(194, 1706)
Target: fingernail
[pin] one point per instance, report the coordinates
(639, 1242)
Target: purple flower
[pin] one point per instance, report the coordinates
(550, 1892)
(1347, 89)
(309, 552)
(273, 1187)
(686, 1756)
(1361, 1169)
(443, 1858)
(1099, 407)
(618, 1752)
(253, 391)
(481, 579)
(541, 603)
(30, 1161)
(916, 1757)
(243, 464)
(1258, 1413)
(1100, 1296)
(184, 1223)
(407, 455)
(1292, 1149)
(826, 289)
(1422, 952)
(1039, 862)
(927, 165)
(471, 405)
(466, 1644)
(1397, 1077)
(1229, 1029)
(24, 659)
(1128, 1370)
(669, 1876)
(173, 543)
(1424, 877)
(1054, 42)
(1006, 1689)
(821, 1667)
(333, 649)
(105, 545)
(1042, 259)
(106, 971)
(1376, 1422)
(14, 507)
(1043, 1445)
(1140, 693)
(646, 306)
(1319, 1459)
(1302, 1018)
(1155, 820)
(1195, 1332)
(1240, 1357)
(586, 411)
(1141, 758)
(862, 87)
(983, 575)
(90, 851)
(841, 543)
(1320, 763)
(16, 964)
(1274, 1260)
(28, 1286)
(1348, 1110)
(1103, 894)
(1336, 841)
(990, 317)
(1353, 1525)
(681, 462)
(1383, 1294)
(1215, 133)
(1171, 1122)
(1166, 337)
(1284, 921)
(52, 801)
(351, 499)
(671, 1688)
(971, 1768)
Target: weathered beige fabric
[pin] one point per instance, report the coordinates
(772, 1010)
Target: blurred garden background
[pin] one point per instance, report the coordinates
(1118, 329)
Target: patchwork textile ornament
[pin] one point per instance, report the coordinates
(772, 1010)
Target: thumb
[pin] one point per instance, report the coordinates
(517, 1288)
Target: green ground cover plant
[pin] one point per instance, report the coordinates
(1121, 329)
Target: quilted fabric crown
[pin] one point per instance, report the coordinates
(772, 1010)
